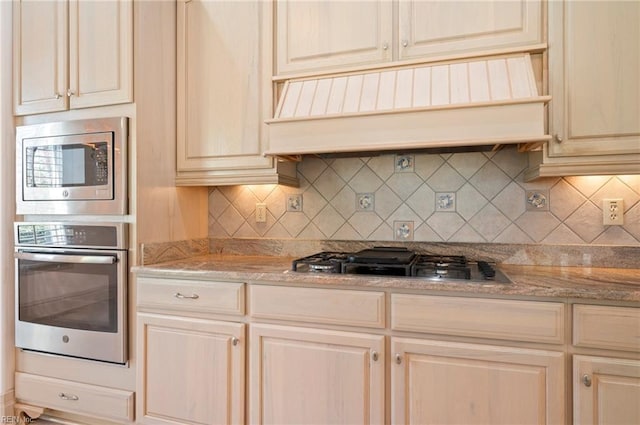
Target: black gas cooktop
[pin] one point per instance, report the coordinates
(391, 261)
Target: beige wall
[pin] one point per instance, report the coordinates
(6, 210)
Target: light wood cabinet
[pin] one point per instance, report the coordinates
(594, 63)
(438, 382)
(327, 36)
(71, 54)
(606, 388)
(606, 391)
(69, 396)
(315, 376)
(428, 29)
(191, 370)
(224, 95)
(315, 35)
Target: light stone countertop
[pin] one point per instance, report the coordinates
(586, 283)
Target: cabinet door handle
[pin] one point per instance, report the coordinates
(586, 380)
(235, 341)
(68, 396)
(557, 138)
(70, 93)
(405, 43)
(398, 358)
(385, 46)
(374, 356)
(58, 95)
(183, 297)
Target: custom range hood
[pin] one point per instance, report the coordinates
(478, 102)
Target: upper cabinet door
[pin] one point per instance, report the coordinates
(317, 35)
(594, 64)
(100, 52)
(437, 28)
(39, 56)
(71, 54)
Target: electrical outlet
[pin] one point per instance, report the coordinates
(612, 212)
(261, 213)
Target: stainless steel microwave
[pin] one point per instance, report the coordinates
(72, 167)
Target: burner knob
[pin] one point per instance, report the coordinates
(486, 269)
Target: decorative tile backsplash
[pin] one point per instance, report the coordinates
(459, 197)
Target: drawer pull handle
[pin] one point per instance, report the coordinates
(374, 356)
(586, 380)
(183, 297)
(398, 358)
(235, 341)
(68, 397)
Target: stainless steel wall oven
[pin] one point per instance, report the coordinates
(71, 289)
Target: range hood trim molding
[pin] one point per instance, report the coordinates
(504, 124)
(539, 99)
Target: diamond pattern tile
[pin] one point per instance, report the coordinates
(445, 179)
(566, 199)
(445, 224)
(490, 180)
(467, 234)
(347, 167)
(404, 184)
(511, 201)
(490, 202)
(217, 203)
(386, 202)
(511, 164)
(344, 202)
(563, 235)
(468, 163)
(489, 222)
(328, 184)
(586, 222)
(620, 189)
(588, 185)
(469, 201)
(365, 223)
(311, 168)
(381, 166)
(329, 221)
(366, 180)
(426, 165)
(537, 224)
(422, 201)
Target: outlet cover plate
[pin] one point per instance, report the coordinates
(613, 212)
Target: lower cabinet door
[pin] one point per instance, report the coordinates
(606, 391)
(438, 382)
(315, 376)
(191, 371)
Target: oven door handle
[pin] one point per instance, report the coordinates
(63, 258)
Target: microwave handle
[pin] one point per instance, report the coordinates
(62, 258)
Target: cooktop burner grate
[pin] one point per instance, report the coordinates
(322, 262)
(399, 262)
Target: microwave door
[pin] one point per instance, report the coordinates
(68, 168)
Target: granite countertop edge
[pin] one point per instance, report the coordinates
(587, 283)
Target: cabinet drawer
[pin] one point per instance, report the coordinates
(476, 317)
(68, 396)
(332, 306)
(616, 328)
(191, 295)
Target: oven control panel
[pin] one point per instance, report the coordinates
(70, 234)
